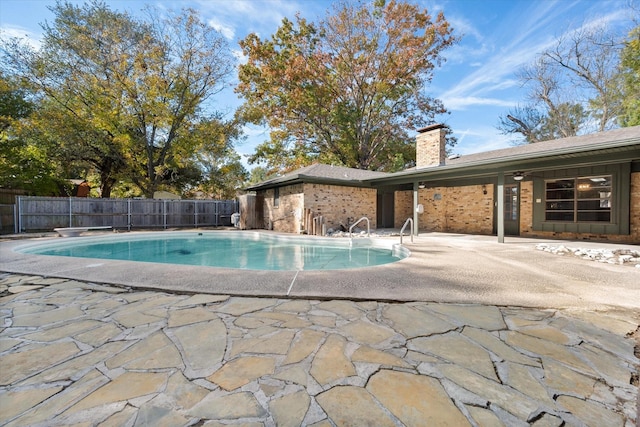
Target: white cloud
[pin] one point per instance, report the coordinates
(461, 103)
(236, 18)
(239, 55)
(27, 36)
(227, 31)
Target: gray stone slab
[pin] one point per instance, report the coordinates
(241, 371)
(498, 347)
(23, 364)
(367, 354)
(412, 323)
(330, 363)
(14, 403)
(228, 407)
(238, 306)
(277, 343)
(188, 316)
(497, 394)
(62, 401)
(486, 317)
(155, 352)
(202, 346)
(127, 386)
(290, 410)
(77, 366)
(590, 413)
(348, 406)
(545, 348)
(561, 378)
(183, 392)
(458, 350)
(52, 316)
(345, 309)
(415, 399)
(306, 342)
(366, 332)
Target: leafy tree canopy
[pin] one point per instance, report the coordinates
(630, 80)
(24, 164)
(346, 90)
(124, 96)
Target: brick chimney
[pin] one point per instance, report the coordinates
(430, 146)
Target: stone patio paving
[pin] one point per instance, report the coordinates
(76, 353)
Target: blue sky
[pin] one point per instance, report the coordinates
(477, 83)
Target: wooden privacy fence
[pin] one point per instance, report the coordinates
(8, 215)
(47, 213)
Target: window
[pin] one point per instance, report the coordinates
(586, 199)
(276, 197)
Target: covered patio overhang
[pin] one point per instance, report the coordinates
(518, 166)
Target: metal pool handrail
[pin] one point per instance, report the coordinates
(407, 222)
(358, 222)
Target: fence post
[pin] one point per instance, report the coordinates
(195, 213)
(128, 214)
(164, 214)
(70, 212)
(15, 219)
(19, 214)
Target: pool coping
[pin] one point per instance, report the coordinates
(442, 267)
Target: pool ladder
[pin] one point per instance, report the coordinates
(407, 222)
(358, 222)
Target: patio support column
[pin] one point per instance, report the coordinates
(500, 210)
(415, 209)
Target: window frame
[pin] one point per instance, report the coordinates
(575, 201)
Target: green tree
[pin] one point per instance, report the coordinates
(24, 164)
(630, 80)
(123, 93)
(347, 90)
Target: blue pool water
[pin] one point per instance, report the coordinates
(241, 250)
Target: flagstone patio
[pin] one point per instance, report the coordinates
(79, 353)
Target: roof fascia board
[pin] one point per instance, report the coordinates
(304, 179)
(487, 167)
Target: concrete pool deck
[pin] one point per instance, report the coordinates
(464, 332)
(442, 268)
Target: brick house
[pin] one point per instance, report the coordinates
(583, 187)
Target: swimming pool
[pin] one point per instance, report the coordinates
(236, 249)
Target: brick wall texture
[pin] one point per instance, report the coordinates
(402, 207)
(450, 209)
(337, 204)
(463, 209)
(341, 205)
(430, 148)
(283, 217)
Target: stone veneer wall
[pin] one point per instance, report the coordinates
(459, 209)
(526, 220)
(337, 204)
(283, 218)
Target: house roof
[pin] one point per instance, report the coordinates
(321, 173)
(572, 144)
(612, 145)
